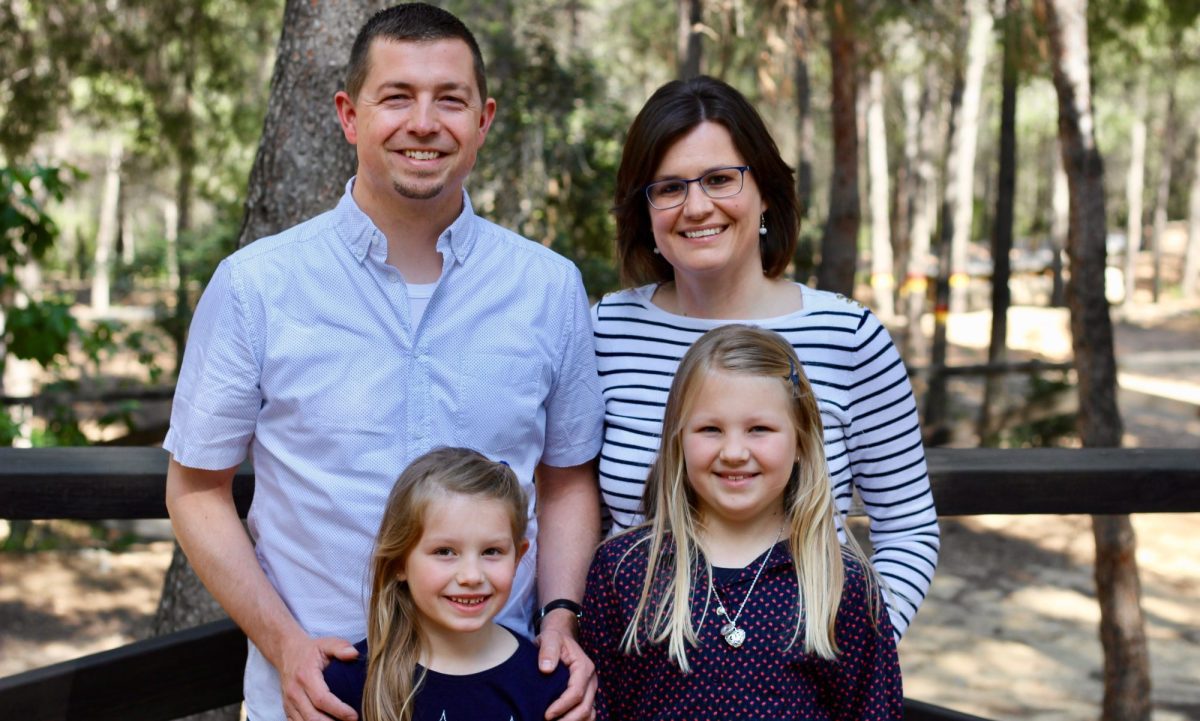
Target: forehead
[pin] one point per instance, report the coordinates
(708, 145)
(726, 392)
(419, 63)
(454, 515)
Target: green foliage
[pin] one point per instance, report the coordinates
(40, 331)
(34, 329)
(26, 230)
(549, 166)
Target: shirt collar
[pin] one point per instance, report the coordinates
(360, 234)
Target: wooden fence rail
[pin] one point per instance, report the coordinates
(189, 671)
(103, 483)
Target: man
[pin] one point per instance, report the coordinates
(348, 345)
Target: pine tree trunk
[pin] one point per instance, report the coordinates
(935, 426)
(301, 168)
(883, 284)
(1122, 627)
(1060, 222)
(979, 41)
(1163, 192)
(923, 199)
(1135, 183)
(839, 245)
(804, 122)
(1002, 232)
(1191, 262)
(688, 48)
(106, 234)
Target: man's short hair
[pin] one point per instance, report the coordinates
(410, 22)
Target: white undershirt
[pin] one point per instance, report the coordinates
(418, 299)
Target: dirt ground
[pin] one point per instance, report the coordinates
(1009, 628)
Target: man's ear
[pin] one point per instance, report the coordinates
(347, 116)
(486, 116)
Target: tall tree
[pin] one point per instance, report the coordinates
(1060, 222)
(1002, 232)
(300, 169)
(839, 245)
(936, 427)
(1135, 184)
(1122, 627)
(978, 43)
(883, 282)
(688, 47)
(106, 235)
(1191, 263)
(801, 45)
(1162, 195)
(923, 122)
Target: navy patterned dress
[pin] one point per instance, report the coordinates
(764, 679)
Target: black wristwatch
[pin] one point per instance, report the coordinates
(554, 605)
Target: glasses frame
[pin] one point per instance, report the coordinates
(687, 182)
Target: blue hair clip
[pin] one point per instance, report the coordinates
(504, 463)
(793, 376)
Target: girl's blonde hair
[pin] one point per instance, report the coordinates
(664, 610)
(394, 640)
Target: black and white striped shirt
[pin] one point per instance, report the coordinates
(872, 435)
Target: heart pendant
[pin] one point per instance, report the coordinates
(735, 638)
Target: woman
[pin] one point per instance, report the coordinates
(707, 219)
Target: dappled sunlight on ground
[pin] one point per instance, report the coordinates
(1010, 626)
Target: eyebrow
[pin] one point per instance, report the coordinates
(458, 541)
(720, 166)
(441, 87)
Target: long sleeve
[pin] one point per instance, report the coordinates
(887, 463)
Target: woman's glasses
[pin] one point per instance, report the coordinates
(716, 183)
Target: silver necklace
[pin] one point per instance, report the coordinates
(733, 635)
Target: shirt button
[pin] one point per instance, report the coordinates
(393, 279)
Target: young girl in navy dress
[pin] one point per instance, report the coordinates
(735, 600)
(448, 547)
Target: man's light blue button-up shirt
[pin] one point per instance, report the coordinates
(302, 349)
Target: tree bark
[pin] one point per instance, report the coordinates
(1135, 183)
(1122, 627)
(300, 170)
(979, 41)
(1191, 261)
(1060, 222)
(839, 245)
(688, 47)
(883, 284)
(935, 426)
(1163, 193)
(1002, 232)
(801, 41)
(106, 234)
(923, 199)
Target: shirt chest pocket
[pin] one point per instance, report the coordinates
(499, 401)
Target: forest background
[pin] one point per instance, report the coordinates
(925, 137)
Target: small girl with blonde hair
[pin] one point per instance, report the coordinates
(735, 599)
(448, 547)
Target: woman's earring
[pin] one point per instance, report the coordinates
(657, 251)
(762, 224)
